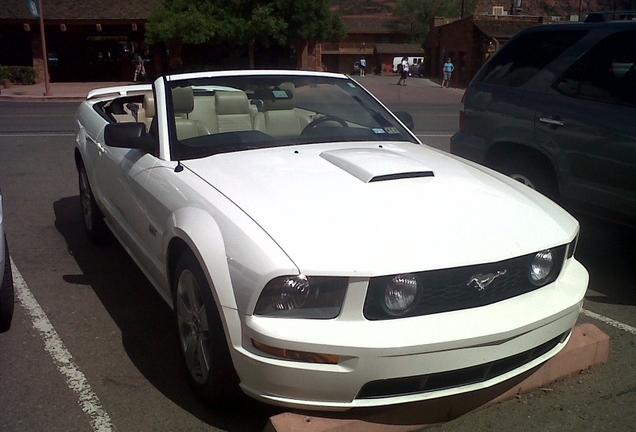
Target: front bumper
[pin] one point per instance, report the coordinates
(390, 359)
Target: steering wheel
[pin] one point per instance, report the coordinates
(319, 120)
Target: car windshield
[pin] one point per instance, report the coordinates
(235, 113)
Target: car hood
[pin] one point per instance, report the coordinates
(366, 209)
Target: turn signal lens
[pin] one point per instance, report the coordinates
(301, 356)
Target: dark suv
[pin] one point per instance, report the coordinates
(555, 108)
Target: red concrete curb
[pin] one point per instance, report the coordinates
(588, 346)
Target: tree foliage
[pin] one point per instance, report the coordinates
(418, 13)
(242, 22)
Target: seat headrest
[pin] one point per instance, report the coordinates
(149, 104)
(182, 100)
(231, 102)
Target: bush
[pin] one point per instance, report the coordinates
(18, 74)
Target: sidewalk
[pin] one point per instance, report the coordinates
(77, 91)
(58, 92)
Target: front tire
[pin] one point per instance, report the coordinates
(6, 293)
(95, 227)
(532, 172)
(202, 340)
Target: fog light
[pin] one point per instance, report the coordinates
(401, 294)
(541, 267)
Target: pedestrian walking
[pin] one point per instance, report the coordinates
(140, 70)
(404, 71)
(447, 69)
(363, 66)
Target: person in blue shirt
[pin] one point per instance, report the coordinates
(363, 66)
(448, 69)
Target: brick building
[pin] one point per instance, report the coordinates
(470, 41)
(85, 40)
(96, 41)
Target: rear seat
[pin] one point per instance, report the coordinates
(147, 110)
(233, 111)
(183, 105)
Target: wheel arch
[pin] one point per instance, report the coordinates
(499, 152)
(184, 234)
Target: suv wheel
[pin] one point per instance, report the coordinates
(531, 172)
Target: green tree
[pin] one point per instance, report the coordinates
(242, 22)
(418, 13)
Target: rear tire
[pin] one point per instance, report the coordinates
(204, 348)
(7, 300)
(94, 224)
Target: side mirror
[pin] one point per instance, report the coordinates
(405, 118)
(129, 135)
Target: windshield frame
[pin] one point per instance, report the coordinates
(355, 114)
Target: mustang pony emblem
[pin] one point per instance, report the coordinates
(483, 281)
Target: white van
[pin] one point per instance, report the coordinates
(414, 63)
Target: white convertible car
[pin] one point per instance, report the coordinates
(315, 253)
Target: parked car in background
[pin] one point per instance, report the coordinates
(6, 280)
(414, 64)
(555, 109)
(315, 253)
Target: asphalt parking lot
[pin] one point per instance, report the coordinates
(116, 332)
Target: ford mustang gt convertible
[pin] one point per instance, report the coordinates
(315, 253)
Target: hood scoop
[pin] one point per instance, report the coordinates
(376, 164)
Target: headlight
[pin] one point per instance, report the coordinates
(302, 297)
(401, 294)
(541, 267)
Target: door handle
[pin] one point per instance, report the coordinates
(551, 121)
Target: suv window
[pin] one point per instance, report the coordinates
(522, 58)
(607, 73)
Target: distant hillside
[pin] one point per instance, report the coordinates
(529, 7)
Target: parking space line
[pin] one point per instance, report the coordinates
(609, 321)
(75, 379)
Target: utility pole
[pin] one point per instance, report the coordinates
(47, 87)
(36, 11)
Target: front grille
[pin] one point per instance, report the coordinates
(450, 289)
(457, 378)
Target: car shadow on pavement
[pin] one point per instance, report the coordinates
(146, 322)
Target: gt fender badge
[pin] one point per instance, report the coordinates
(483, 281)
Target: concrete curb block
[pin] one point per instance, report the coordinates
(588, 346)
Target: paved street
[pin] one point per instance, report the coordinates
(92, 346)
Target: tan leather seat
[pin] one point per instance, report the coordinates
(183, 105)
(281, 118)
(232, 111)
(147, 110)
(279, 112)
